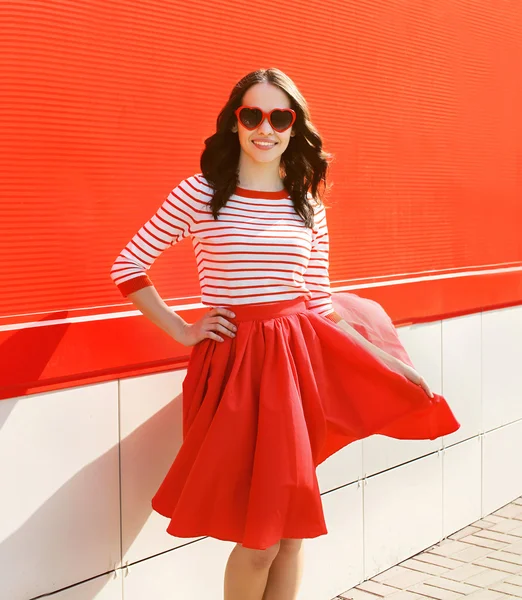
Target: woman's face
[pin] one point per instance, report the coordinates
(266, 96)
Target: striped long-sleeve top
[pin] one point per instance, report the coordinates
(258, 250)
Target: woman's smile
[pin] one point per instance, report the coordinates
(264, 144)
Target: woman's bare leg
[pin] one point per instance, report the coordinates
(246, 572)
(286, 571)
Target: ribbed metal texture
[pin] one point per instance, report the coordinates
(105, 106)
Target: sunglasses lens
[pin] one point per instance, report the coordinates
(250, 117)
(281, 119)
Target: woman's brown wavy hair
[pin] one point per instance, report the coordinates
(304, 163)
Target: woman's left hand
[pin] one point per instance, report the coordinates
(410, 373)
(394, 363)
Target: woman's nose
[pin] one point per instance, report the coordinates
(265, 126)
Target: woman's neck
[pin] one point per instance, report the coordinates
(259, 176)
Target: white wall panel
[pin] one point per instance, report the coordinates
(402, 513)
(105, 587)
(334, 562)
(60, 489)
(59, 461)
(502, 366)
(461, 374)
(191, 572)
(462, 484)
(423, 343)
(343, 467)
(151, 435)
(501, 466)
(381, 453)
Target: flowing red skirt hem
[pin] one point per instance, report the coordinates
(263, 410)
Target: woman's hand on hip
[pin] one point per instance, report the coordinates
(211, 325)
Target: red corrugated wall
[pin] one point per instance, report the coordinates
(105, 106)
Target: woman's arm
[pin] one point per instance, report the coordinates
(171, 223)
(317, 280)
(151, 304)
(316, 275)
(375, 350)
(213, 324)
(391, 361)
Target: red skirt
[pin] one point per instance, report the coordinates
(262, 410)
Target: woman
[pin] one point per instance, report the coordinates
(277, 380)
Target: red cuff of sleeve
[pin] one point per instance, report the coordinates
(134, 284)
(333, 316)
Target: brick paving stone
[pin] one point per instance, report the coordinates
(463, 532)
(507, 588)
(448, 547)
(484, 542)
(389, 573)
(511, 511)
(496, 518)
(405, 595)
(464, 572)
(517, 531)
(449, 584)
(507, 556)
(355, 594)
(515, 548)
(516, 580)
(442, 561)
(406, 578)
(482, 561)
(484, 523)
(500, 565)
(511, 526)
(471, 553)
(442, 542)
(497, 535)
(486, 595)
(423, 567)
(519, 515)
(486, 578)
(379, 589)
(434, 592)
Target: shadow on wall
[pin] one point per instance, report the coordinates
(28, 550)
(28, 351)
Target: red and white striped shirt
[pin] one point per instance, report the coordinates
(258, 250)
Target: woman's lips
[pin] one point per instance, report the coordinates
(263, 146)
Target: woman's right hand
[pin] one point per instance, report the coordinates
(210, 326)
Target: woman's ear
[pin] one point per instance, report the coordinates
(234, 128)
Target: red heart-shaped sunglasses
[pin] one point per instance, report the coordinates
(252, 116)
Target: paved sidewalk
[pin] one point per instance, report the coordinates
(481, 562)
